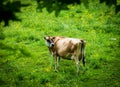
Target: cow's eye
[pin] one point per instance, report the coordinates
(48, 40)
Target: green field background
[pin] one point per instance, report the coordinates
(26, 62)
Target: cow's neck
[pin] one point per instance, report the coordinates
(55, 41)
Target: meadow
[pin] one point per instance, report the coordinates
(26, 62)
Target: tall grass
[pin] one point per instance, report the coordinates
(26, 62)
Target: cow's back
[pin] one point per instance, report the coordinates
(66, 46)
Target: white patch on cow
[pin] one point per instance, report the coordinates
(47, 38)
(49, 44)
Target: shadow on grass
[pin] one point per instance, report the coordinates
(7, 50)
(57, 5)
(110, 3)
(8, 9)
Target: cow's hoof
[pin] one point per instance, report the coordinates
(55, 70)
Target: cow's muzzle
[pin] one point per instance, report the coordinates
(51, 44)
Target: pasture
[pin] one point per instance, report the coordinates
(26, 62)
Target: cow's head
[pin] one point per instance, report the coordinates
(49, 41)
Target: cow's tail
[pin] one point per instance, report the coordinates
(82, 52)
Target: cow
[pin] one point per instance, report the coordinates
(66, 48)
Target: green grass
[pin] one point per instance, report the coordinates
(25, 60)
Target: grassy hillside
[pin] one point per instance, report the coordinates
(25, 60)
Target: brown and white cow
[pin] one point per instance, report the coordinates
(67, 48)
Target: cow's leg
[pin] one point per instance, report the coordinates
(55, 62)
(78, 66)
(58, 60)
(83, 61)
(83, 52)
(82, 57)
(77, 63)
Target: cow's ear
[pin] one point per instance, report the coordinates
(53, 38)
(45, 38)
